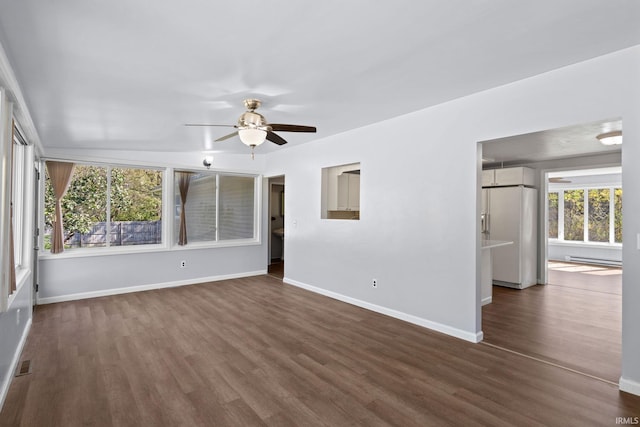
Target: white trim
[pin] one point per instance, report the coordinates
(14, 363)
(580, 244)
(629, 386)
(22, 115)
(137, 249)
(21, 278)
(151, 286)
(435, 326)
(102, 251)
(487, 300)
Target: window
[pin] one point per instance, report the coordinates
(586, 215)
(135, 206)
(553, 215)
(200, 209)
(574, 215)
(617, 214)
(20, 160)
(236, 216)
(17, 201)
(106, 206)
(214, 207)
(598, 221)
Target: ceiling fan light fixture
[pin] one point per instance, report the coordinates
(610, 138)
(252, 137)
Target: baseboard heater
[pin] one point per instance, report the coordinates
(596, 261)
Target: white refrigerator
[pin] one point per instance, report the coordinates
(510, 214)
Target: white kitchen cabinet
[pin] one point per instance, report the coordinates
(508, 176)
(349, 192)
(488, 177)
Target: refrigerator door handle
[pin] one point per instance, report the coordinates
(484, 222)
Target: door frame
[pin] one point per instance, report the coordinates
(271, 181)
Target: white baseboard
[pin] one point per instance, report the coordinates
(14, 363)
(152, 286)
(629, 386)
(487, 300)
(439, 327)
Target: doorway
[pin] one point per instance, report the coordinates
(276, 252)
(572, 318)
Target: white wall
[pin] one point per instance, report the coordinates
(563, 251)
(14, 327)
(191, 160)
(15, 312)
(68, 278)
(419, 231)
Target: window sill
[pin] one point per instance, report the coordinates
(22, 274)
(119, 250)
(213, 245)
(601, 245)
(89, 252)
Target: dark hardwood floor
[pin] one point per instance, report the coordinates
(596, 278)
(574, 321)
(276, 269)
(255, 351)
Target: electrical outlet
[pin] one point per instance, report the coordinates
(374, 283)
(183, 264)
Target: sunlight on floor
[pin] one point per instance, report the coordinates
(584, 268)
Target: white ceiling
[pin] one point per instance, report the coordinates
(128, 74)
(552, 144)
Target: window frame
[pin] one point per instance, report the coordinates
(18, 202)
(168, 208)
(106, 250)
(330, 192)
(21, 184)
(585, 239)
(257, 209)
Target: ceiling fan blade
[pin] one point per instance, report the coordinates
(276, 139)
(203, 124)
(231, 135)
(292, 128)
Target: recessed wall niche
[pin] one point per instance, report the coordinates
(341, 192)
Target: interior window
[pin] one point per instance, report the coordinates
(341, 192)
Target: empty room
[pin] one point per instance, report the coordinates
(223, 214)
